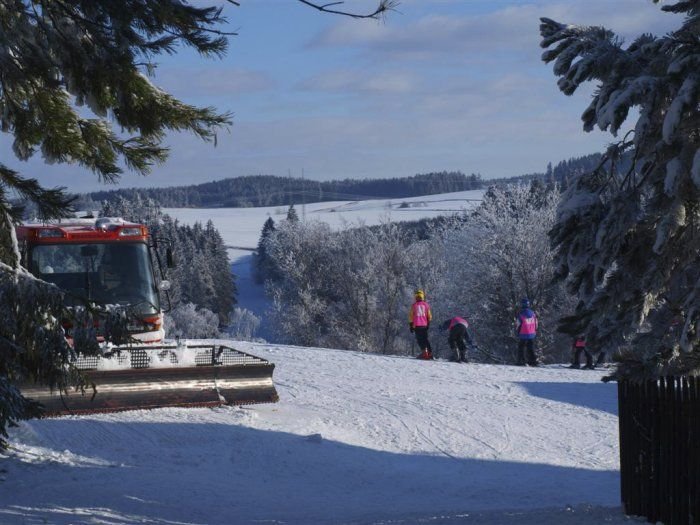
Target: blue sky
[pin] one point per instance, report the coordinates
(438, 85)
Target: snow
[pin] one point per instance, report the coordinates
(695, 170)
(241, 228)
(684, 98)
(356, 438)
(674, 170)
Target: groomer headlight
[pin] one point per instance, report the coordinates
(130, 232)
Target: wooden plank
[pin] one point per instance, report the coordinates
(655, 445)
(671, 445)
(694, 455)
(684, 449)
(646, 468)
(622, 404)
(664, 459)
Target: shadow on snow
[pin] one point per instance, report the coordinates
(165, 473)
(586, 395)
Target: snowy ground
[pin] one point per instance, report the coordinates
(355, 438)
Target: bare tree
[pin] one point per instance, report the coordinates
(383, 7)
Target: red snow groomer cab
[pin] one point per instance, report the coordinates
(106, 261)
(109, 262)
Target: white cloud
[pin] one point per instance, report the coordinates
(416, 94)
(208, 81)
(359, 81)
(511, 28)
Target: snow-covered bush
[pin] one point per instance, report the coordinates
(348, 289)
(627, 241)
(187, 321)
(244, 324)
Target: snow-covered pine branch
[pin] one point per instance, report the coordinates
(627, 240)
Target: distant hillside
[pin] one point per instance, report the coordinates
(560, 173)
(270, 190)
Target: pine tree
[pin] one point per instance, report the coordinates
(49, 83)
(627, 240)
(220, 267)
(292, 216)
(262, 261)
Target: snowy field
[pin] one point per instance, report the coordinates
(355, 439)
(241, 228)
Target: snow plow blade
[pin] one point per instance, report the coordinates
(147, 377)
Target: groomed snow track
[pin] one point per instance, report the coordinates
(147, 377)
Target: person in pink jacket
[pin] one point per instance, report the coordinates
(458, 333)
(419, 317)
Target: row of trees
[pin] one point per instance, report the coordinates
(270, 190)
(255, 190)
(352, 288)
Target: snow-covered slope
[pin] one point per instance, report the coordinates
(241, 227)
(355, 438)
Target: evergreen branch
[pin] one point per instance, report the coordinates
(52, 203)
(185, 23)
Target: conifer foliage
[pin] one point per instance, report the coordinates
(627, 240)
(70, 72)
(262, 264)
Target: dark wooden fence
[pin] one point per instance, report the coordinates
(660, 449)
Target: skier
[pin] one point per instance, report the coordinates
(458, 331)
(527, 331)
(578, 346)
(419, 317)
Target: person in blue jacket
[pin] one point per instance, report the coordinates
(527, 325)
